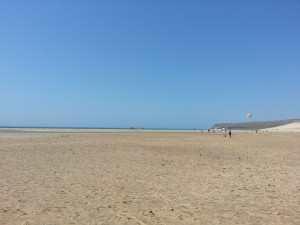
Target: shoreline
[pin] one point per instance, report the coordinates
(95, 130)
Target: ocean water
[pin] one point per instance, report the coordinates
(88, 130)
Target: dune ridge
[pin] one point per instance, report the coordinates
(291, 127)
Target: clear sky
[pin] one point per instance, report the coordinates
(168, 63)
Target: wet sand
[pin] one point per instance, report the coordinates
(149, 178)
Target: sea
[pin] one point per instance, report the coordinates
(92, 130)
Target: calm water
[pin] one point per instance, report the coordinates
(88, 130)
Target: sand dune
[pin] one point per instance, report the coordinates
(291, 127)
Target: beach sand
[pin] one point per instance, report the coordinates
(149, 178)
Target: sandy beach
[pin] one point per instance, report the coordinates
(149, 178)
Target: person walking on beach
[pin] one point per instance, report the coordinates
(229, 133)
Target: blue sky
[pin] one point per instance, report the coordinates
(176, 64)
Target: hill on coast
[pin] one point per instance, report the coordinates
(255, 125)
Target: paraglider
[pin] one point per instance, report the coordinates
(249, 115)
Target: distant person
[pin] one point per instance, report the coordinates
(229, 133)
